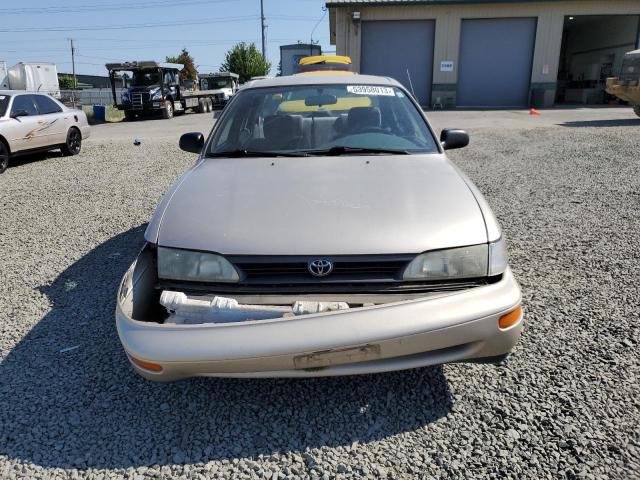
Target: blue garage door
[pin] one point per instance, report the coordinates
(391, 48)
(496, 57)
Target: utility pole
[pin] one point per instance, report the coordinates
(73, 67)
(264, 52)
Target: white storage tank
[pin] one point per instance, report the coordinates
(35, 77)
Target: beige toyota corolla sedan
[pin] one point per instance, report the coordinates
(32, 122)
(322, 231)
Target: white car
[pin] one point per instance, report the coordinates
(31, 122)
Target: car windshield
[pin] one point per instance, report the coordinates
(145, 78)
(322, 119)
(4, 103)
(216, 83)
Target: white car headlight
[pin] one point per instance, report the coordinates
(175, 264)
(463, 262)
(156, 94)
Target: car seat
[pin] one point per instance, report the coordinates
(362, 118)
(282, 132)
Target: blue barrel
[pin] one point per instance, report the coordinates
(99, 113)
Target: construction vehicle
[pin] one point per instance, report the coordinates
(155, 88)
(224, 85)
(627, 86)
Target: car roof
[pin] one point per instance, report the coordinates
(325, 79)
(21, 92)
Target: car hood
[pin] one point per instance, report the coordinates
(319, 206)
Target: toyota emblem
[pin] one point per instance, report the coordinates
(320, 267)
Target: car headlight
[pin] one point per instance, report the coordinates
(175, 264)
(156, 94)
(125, 96)
(464, 262)
(498, 259)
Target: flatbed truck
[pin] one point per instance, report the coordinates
(155, 88)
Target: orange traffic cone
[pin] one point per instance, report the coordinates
(533, 111)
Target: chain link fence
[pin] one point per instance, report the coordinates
(89, 96)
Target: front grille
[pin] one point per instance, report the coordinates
(352, 274)
(138, 100)
(295, 270)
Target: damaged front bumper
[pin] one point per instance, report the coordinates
(441, 328)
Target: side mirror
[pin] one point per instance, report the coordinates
(19, 113)
(192, 142)
(452, 138)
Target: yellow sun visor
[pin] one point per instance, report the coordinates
(345, 103)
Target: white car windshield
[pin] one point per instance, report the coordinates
(322, 119)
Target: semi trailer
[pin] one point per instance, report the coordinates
(155, 88)
(30, 76)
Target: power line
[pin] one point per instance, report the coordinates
(151, 25)
(129, 26)
(159, 44)
(105, 7)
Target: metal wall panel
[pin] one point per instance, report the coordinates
(496, 57)
(391, 48)
(448, 18)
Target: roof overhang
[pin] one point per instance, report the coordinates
(382, 3)
(142, 64)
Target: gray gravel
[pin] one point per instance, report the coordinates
(565, 405)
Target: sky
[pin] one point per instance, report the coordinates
(118, 30)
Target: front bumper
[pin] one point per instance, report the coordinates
(147, 108)
(219, 102)
(452, 327)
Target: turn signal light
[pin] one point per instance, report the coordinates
(509, 319)
(152, 367)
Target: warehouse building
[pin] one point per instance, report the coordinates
(504, 53)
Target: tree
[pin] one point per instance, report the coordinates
(246, 61)
(66, 82)
(189, 71)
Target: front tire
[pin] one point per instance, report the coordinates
(209, 105)
(167, 111)
(73, 144)
(4, 157)
(636, 109)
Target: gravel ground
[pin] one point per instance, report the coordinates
(564, 405)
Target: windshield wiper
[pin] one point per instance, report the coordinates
(254, 153)
(342, 150)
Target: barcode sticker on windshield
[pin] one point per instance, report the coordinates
(370, 90)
